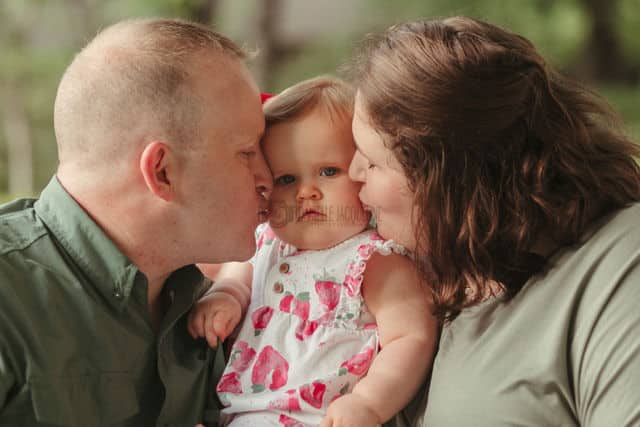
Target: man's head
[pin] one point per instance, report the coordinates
(163, 114)
(131, 81)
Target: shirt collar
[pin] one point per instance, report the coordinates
(101, 262)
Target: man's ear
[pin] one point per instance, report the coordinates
(157, 167)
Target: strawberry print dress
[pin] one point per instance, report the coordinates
(307, 337)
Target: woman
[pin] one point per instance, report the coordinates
(518, 193)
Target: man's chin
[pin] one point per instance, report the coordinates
(248, 250)
(240, 249)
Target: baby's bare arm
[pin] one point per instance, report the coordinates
(234, 278)
(408, 335)
(219, 311)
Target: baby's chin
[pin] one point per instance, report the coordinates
(319, 236)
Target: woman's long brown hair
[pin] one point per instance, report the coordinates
(499, 149)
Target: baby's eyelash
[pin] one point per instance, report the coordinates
(331, 169)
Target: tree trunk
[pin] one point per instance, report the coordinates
(203, 11)
(268, 17)
(84, 19)
(603, 58)
(19, 144)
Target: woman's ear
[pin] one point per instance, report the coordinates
(157, 168)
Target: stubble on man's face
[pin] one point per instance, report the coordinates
(231, 126)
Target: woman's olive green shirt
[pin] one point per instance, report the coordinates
(565, 351)
(76, 343)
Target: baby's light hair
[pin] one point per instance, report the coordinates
(328, 92)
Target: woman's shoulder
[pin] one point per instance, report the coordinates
(607, 261)
(620, 223)
(610, 247)
(600, 274)
(580, 280)
(612, 242)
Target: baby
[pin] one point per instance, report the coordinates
(338, 330)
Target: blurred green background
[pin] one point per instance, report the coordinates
(596, 41)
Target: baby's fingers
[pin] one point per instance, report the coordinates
(326, 422)
(221, 324)
(195, 324)
(225, 322)
(211, 332)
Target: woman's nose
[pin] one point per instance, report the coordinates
(356, 168)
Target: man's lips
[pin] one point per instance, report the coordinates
(263, 214)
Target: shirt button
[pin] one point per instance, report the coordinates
(284, 268)
(117, 294)
(278, 288)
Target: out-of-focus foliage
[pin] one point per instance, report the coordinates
(558, 28)
(629, 26)
(625, 100)
(38, 38)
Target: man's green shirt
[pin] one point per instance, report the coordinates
(76, 343)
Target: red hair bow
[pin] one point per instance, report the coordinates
(265, 96)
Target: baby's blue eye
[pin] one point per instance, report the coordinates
(285, 180)
(330, 171)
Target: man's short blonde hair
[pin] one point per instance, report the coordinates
(335, 96)
(132, 80)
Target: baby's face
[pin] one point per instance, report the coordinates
(314, 204)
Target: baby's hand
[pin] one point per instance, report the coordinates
(350, 410)
(214, 317)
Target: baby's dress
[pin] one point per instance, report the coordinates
(307, 337)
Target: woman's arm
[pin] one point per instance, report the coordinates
(605, 349)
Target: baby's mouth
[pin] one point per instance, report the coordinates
(311, 215)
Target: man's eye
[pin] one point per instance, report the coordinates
(331, 171)
(248, 153)
(285, 180)
(371, 166)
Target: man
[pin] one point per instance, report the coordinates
(158, 125)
